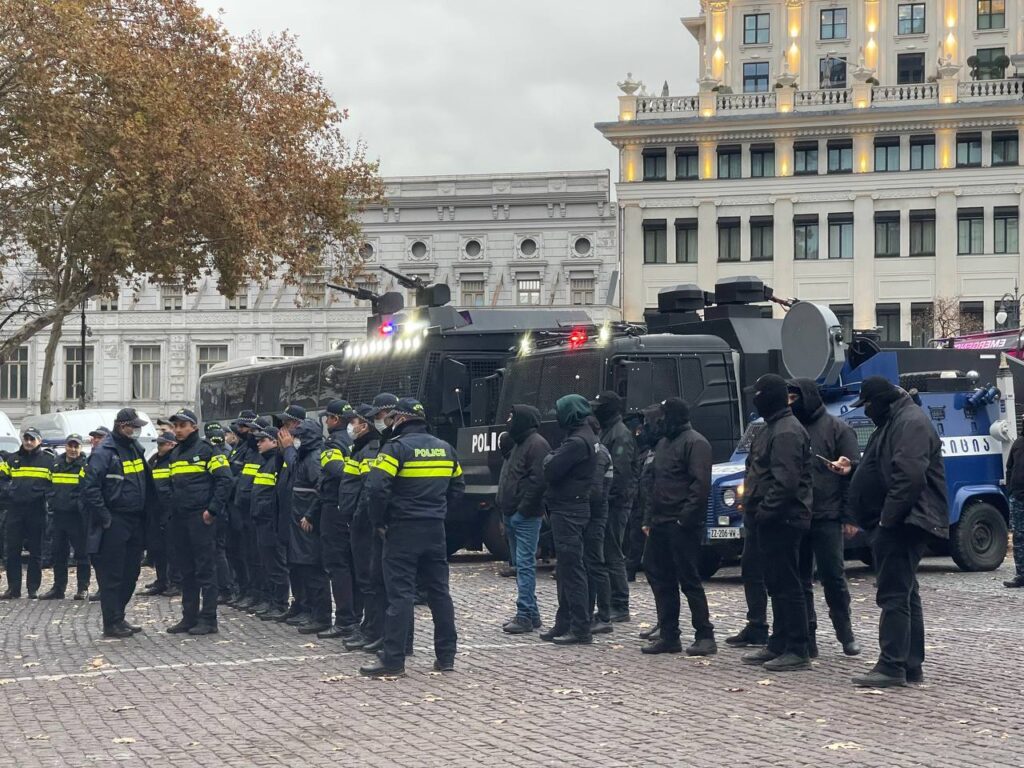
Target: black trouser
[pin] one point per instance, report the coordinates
(158, 547)
(309, 588)
(780, 554)
(273, 567)
(366, 560)
(336, 546)
(24, 530)
(752, 575)
(195, 547)
(117, 565)
(415, 553)
(256, 550)
(634, 540)
(897, 552)
(670, 562)
(568, 524)
(823, 544)
(68, 534)
(614, 560)
(599, 594)
(236, 557)
(225, 579)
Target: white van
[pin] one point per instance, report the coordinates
(10, 439)
(55, 427)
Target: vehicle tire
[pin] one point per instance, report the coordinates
(455, 538)
(709, 563)
(978, 541)
(494, 536)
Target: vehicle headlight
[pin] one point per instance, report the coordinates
(729, 497)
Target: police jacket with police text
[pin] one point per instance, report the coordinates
(416, 477)
(201, 478)
(569, 469)
(777, 487)
(26, 479)
(333, 462)
(66, 478)
(160, 466)
(117, 480)
(678, 480)
(351, 499)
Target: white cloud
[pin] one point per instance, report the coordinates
(480, 86)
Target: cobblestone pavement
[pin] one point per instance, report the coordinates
(259, 694)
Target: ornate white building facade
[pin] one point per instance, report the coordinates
(534, 239)
(860, 154)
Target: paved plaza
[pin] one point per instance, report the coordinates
(259, 694)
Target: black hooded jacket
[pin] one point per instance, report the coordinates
(830, 437)
(569, 469)
(678, 479)
(778, 481)
(618, 439)
(521, 485)
(1015, 469)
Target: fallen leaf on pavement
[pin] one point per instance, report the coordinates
(733, 690)
(38, 737)
(124, 740)
(852, 745)
(766, 681)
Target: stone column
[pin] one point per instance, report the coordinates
(784, 281)
(632, 263)
(905, 152)
(864, 294)
(784, 157)
(946, 280)
(863, 153)
(708, 161)
(631, 163)
(707, 244)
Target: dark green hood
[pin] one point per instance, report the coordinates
(572, 410)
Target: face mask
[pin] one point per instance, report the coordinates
(351, 429)
(136, 433)
(877, 412)
(799, 410)
(380, 425)
(297, 443)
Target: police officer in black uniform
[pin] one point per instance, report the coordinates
(305, 561)
(265, 516)
(201, 482)
(226, 585)
(158, 535)
(245, 461)
(410, 487)
(68, 523)
(335, 529)
(26, 484)
(117, 495)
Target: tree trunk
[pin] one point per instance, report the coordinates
(38, 323)
(49, 360)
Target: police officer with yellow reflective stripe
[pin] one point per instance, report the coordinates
(158, 535)
(68, 522)
(245, 463)
(409, 489)
(26, 482)
(201, 481)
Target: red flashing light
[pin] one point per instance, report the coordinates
(577, 338)
(387, 329)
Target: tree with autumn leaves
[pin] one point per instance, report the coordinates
(139, 140)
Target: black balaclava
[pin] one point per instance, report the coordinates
(607, 408)
(653, 429)
(771, 395)
(878, 408)
(808, 403)
(505, 444)
(677, 416)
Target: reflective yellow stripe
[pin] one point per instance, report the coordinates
(41, 472)
(217, 461)
(365, 466)
(250, 469)
(5, 468)
(352, 467)
(63, 478)
(184, 468)
(431, 464)
(132, 466)
(385, 467)
(458, 471)
(265, 478)
(160, 474)
(331, 454)
(446, 472)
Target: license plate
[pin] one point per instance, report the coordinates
(723, 533)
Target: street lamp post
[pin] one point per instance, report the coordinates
(1006, 303)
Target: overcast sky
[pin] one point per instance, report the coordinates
(481, 86)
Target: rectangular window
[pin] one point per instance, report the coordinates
(581, 290)
(14, 376)
(970, 231)
(887, 318)
(107, 303)
(805, 158)
(473, 293)
(972, 317)
(687, 163)
(146, 372)
(833, 24)
(240, 300)
(686, 241)
(1005, 148)
(528, 291)
(729, 239)
(887, 154)
(887, 234)
(655, 241)
(991, 14)
(840, 156)
(208, 355)
(293, 350)
(73, 373)
(1006, 221)
(832, 72)
(654, 164)
(968, 150)
(805, 237)
(922, 153)
(313, 290)
(172, 297)
(755, 29)
(922, 233)
(840, 235)
(990, 64)
(762, 161)
(844, 314)
(922, 323)
(1012, 314)
(762, 238)
(909, 68)
(910, 19)
(755, 77)
(729, 162)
